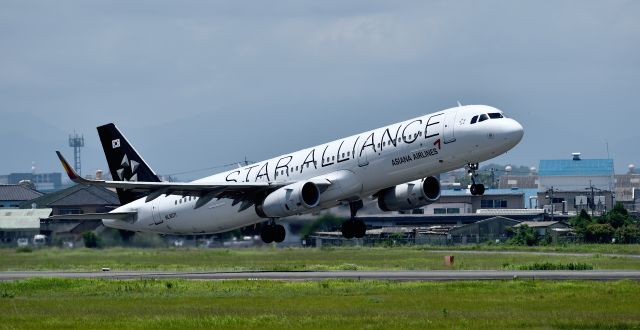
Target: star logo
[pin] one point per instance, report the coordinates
(115, 144)
(131, 165)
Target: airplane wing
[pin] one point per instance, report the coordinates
(95, 216)
(238, 191)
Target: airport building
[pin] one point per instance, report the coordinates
(460, 201)
(571, 185)
(627, 187)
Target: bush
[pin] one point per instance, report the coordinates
(524, 235)
(552, 266)
(24, 249)
(599, 233)
(91, 240)
(627, 234)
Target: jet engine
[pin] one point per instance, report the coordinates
(289, 200)
(409, 195)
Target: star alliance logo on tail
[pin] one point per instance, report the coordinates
(115, 144)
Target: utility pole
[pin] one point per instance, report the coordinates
(550, 196)
(493, 178)
(593, 197)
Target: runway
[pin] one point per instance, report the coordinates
(435, 275)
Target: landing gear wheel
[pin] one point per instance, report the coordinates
(353, 228)
(279, 233)
(267, 234)
(477, 189)
(360, 228)
(272, 233)
(348, 229)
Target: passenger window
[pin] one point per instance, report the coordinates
(495, 115)
(474, 119)
(483, 117)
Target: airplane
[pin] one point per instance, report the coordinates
(396, 164)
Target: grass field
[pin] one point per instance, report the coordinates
(181, 304)
(269, 258)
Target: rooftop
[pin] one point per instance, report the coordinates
(17, 192)
(17, 219)
(537, 224)
(569, 167)
(78, 195)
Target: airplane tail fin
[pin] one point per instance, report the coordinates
(125, 164)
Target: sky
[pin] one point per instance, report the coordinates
(200, 84)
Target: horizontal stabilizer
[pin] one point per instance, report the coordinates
(124, 216)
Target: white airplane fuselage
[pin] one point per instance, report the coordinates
(358, 166)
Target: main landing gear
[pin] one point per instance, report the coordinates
(476, 189)
(272, 232)
(354, 227)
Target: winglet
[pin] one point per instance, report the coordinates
(70, 171)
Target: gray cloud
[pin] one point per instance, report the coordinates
(198, 83)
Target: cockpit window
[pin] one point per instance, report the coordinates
(483, 117)
(495, 115)
(474, 119)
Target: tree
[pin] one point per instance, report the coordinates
(582, 220)
(617, 217)
(524, 235)
(627, 234)
(90, 239)
(325, 222)
(599, 233)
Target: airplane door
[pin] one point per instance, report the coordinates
(363, 155)
(155, 212)
(449, 123)
(363, 159)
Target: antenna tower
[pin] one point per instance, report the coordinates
(76, 142)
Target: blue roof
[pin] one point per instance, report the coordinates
(568, 167)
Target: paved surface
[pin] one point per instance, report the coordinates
(443, 275)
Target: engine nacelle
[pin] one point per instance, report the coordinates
(289, 200)
(411, 195)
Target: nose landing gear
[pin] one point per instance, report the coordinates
(476, 189)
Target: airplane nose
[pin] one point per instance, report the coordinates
(508, 132)
(513, 131)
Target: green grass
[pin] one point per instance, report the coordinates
(577, 248)
(286, 259)
(182, 304)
